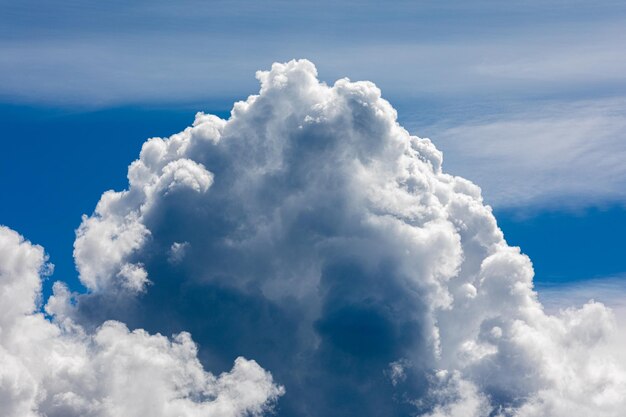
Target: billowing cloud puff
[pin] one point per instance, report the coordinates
(55, 368)
(311, 232)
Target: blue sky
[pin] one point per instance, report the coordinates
(528, 99)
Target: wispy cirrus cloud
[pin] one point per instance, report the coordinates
(566, 153)
(148, 52)
(608, 290)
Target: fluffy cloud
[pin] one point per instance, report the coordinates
(55, 368)
(311, 232)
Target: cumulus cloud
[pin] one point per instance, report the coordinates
(313, 233)
(56, 368)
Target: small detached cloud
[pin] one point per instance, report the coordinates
(177, 252)
(313, 233)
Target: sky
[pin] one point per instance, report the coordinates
(526, 99)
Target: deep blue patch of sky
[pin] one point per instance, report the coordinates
(569, 245)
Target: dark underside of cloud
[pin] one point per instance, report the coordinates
(311, 234)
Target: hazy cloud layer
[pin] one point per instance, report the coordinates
(90, 54)
(311, 232)
(610, 290)
(556, 153)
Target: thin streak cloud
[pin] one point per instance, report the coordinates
(568, 154)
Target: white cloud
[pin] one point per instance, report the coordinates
(456, 397)
(133, 277)
(115, 230)
(327, 242)
(545, 56)
(177, 252)
(609, 290)
(57, 369)
(570, 153)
